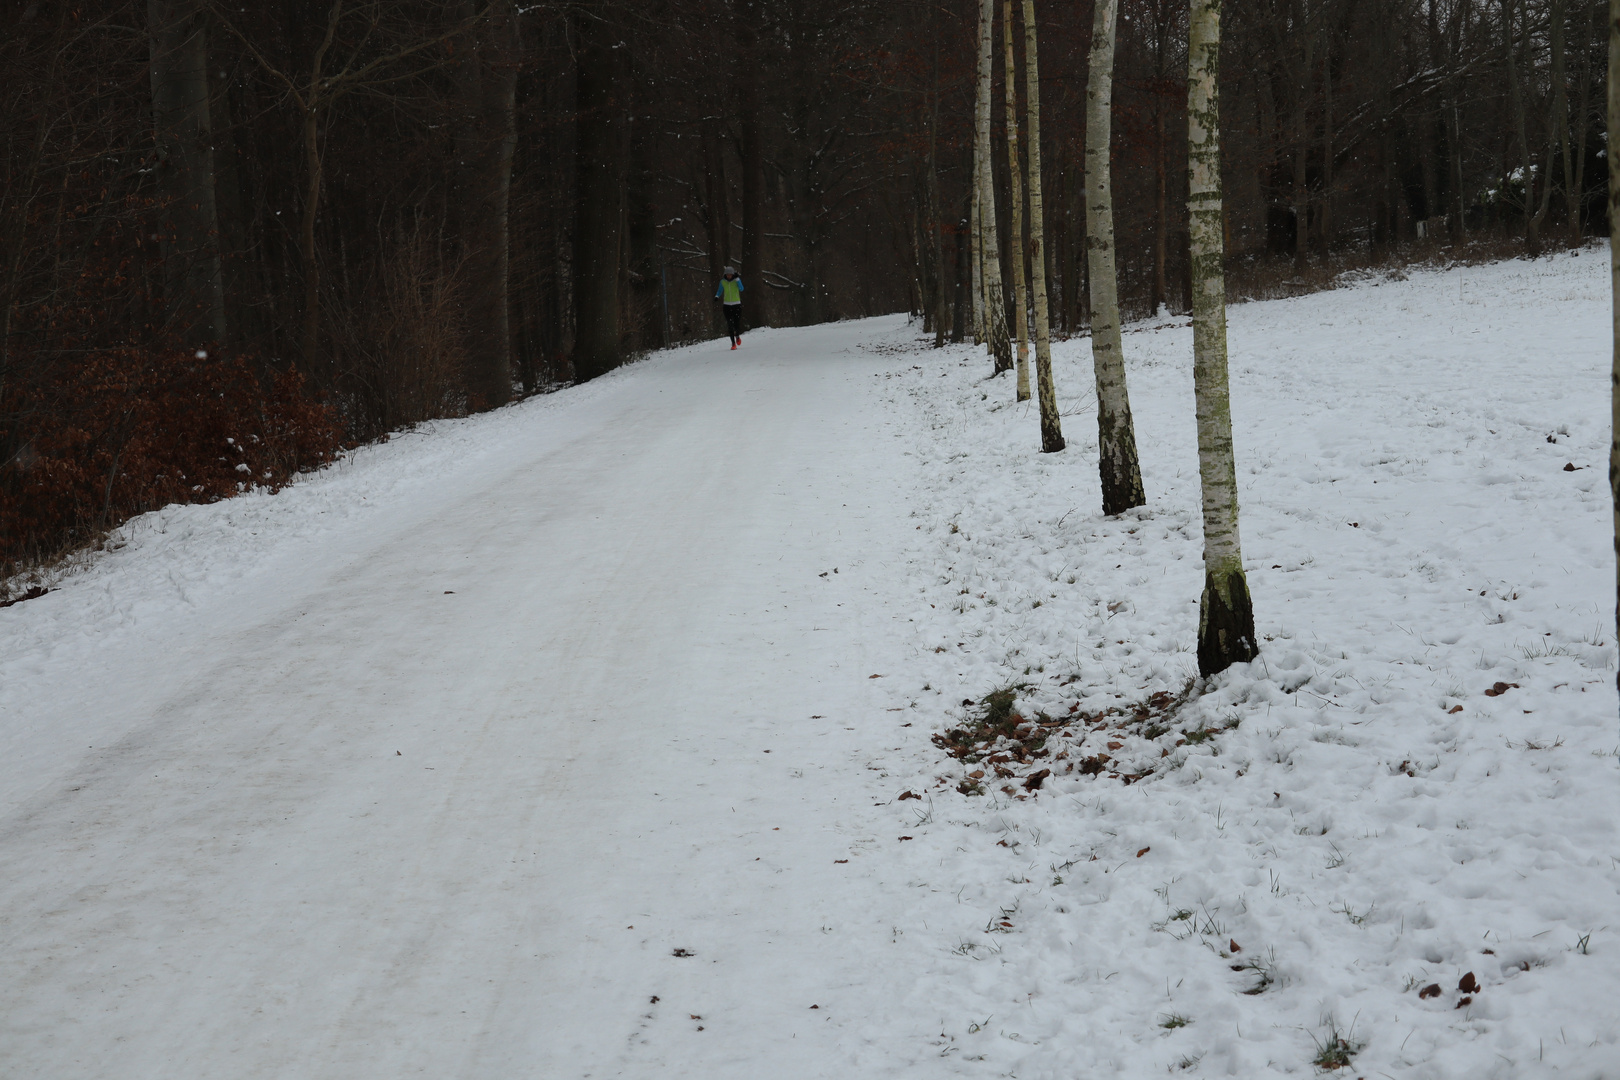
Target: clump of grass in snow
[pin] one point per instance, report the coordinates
(1265, 971)
(1337, 1048)
(1542, 649)
(1356, 918)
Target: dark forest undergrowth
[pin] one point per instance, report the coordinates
(112, 433)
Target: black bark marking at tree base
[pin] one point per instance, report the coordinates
(1003, 356)
(1121, 476)
(1225, 626)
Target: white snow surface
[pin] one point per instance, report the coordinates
(568, 740)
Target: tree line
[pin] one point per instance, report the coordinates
(235, 237)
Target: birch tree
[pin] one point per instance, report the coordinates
(1614, 286)
(1116, 434)
(1051, 426)
(1016, 193)
(995, 307)
(1225, 614)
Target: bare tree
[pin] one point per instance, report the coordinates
(316, 91)
(1226, 614)
(1016, 193)
(976, 246)
(603, 159)
(194, 288)
(486, 78)
(995, 306)
(1116, 434)
(752, 146)
(1614, 285)
(1535, 180)
(1051, 424)
(936, 304)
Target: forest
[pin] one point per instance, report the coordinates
(236, 239)
(1121, 587)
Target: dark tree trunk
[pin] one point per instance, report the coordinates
(603, 89)
(644, 285)
(487, 86)
(757, 311)
(719, 211)
(1075, 278)
(964, 274)
(194, 290)
(936, 240)
(1161, 208)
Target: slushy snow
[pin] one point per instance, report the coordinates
(569, 740)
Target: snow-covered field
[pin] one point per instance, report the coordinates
(569, 740)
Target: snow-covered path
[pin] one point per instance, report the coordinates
(441, 789)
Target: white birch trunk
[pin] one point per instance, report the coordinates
(1020, 304)
(1051, 425)
(1116, 433)
(1226, 614)
(1614, 285)
(995, 308)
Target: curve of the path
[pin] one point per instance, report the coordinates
(452, 787)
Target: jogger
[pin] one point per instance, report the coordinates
(729, 293)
